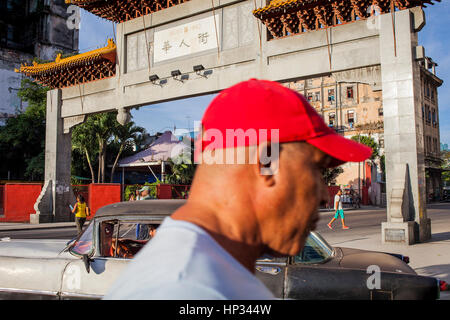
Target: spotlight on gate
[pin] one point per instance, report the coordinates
(154, 79)
(176, 75)
(198, 70)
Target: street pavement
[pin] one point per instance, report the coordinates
(431, 258)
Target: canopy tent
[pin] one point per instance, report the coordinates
(157, 154)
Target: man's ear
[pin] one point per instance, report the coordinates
(268, 160)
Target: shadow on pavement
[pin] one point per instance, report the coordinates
(441, 271)
(443, 236)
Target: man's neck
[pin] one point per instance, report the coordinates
(245, 253)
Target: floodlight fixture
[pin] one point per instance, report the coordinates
(175, 73)
(198, 68)
(154, 79)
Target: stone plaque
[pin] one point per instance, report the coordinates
(397, 235)
(187, 39)
(247, 23)
(230, 27)
(139, 48)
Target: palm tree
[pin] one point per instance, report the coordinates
(125, 136)
(83, 140)
(103, 125)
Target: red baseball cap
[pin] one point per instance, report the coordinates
(262, 104)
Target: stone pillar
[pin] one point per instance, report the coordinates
(52, 204)
(403, 129)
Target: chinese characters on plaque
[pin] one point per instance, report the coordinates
(186, 39)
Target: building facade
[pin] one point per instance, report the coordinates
(356, 108)
(430, 118)
(30, 29)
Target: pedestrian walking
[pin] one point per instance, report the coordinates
(339, 210)
(238, 211)
(82, 211)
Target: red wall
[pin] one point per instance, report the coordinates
(164, 191)
(18, 201)
(332, 190)
(102, 194)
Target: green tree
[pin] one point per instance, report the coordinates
(182, 173)
(103, 126)
(370, 142)
(330, 174)
(125, 136)
(445, 166)
(101, 135)
(84, 141)
(22, 138)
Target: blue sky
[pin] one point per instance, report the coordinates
(94, 33)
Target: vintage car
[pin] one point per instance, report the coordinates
(86, 267)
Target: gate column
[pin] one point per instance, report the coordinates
(407, 220)
(52, 204)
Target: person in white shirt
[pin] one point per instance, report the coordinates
(339, 210)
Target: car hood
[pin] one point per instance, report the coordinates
(33, 248)
(361, 259)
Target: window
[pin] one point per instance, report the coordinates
(351, 118)
(317, 96)
(349, 92)
(331, 119)
(380, 112)
(331, 95)
(316, 250)
(309, 82)
(433, 117)
(122, 239)
(83, 245)
(427, 114)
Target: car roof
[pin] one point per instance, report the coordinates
(141, 208)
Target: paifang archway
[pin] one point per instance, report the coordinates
(373, 42)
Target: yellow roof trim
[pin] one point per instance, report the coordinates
(107, 52)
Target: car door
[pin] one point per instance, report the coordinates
(271, 271)
(102, 261)
(79, 283)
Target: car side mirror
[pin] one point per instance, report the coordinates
(87, 262)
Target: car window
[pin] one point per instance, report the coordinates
(124, 239)
(316, 250)
(83, 245)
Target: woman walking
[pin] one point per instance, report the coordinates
(82, 211)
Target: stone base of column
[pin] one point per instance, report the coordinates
(36, 218)
(398, 232)
(424, 230)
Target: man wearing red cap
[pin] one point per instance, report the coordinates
(256, 191)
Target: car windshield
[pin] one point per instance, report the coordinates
(316, 250)
(83, 245)
(124, 239)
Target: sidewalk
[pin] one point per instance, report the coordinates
(431, 258)
(11, 226)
